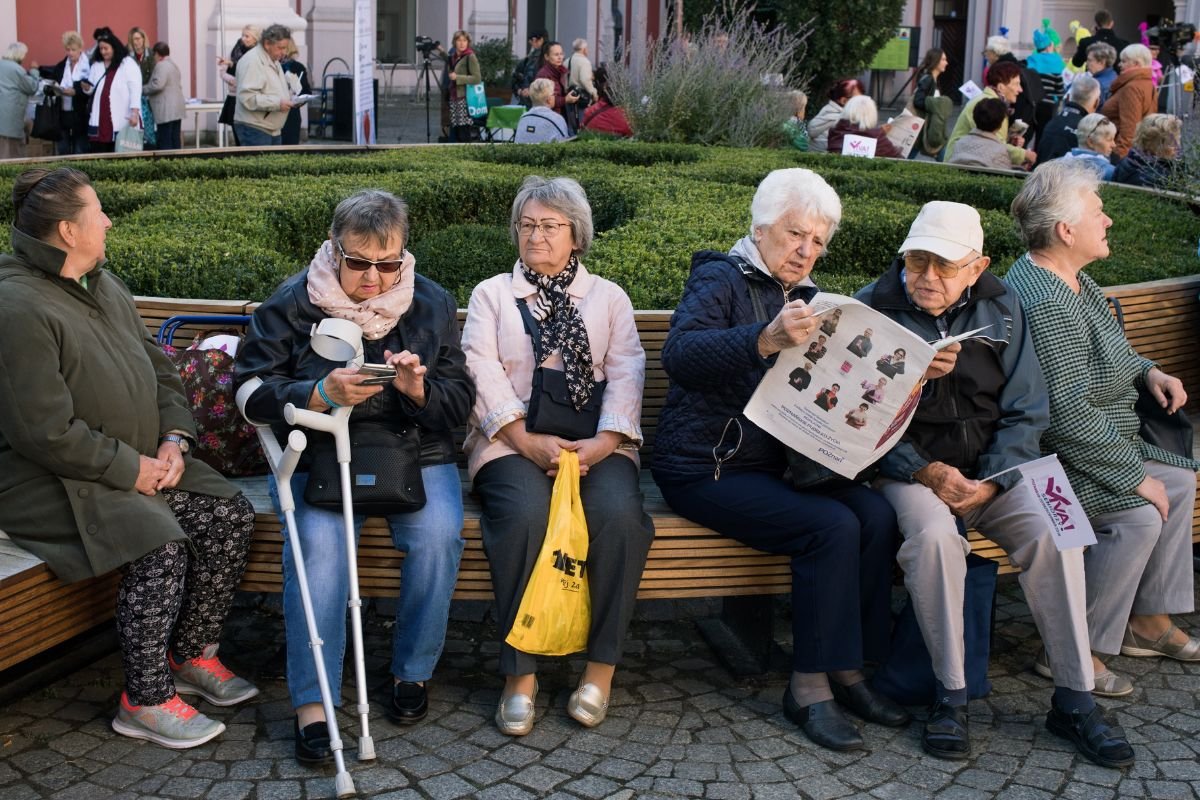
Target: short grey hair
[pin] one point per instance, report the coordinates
(541, 92)
(861, 112)
(1136, 54)
(998, 45)
(1102, 52)
(16, 52)
(1084, 89)
(370, 214)
(795, 189)
(1052, 194)
(275, 33)
(579, 44)
(563, 195)
(1093, 128)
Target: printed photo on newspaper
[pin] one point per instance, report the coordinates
(844, 397)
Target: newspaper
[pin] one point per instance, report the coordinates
(904, 131)
(844, 397)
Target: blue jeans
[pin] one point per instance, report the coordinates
(432, 542)
(253, 137)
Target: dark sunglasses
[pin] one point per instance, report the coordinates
(363, 264)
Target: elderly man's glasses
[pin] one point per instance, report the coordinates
(363, 264)
(917, 263)
(548, 229)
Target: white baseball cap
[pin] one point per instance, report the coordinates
(950, 230)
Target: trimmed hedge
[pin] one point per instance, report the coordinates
(233, 228)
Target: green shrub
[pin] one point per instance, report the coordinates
(234, 227)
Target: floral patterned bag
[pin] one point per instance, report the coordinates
(226, 442)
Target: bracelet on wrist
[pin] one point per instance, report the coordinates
(324, 397)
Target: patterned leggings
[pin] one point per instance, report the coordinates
(172, 598)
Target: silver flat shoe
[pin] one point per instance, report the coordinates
(515, 713)
(1108, 683)
(588, 705)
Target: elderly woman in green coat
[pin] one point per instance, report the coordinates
(95, 471)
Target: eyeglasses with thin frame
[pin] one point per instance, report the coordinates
(548, 229)
(358, 264)
(917, 263)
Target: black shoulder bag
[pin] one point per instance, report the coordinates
(550, 408)
(1171, 432)
(385, 470)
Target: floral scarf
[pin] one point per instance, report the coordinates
(562, 329)
(376, 316)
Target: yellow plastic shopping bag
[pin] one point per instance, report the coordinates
(556, 611)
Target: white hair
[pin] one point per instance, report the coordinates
(579, 44)
(1052, 194)
(1137, 55)
(1094, 128)
(861, 112)
(541, 92)
(1084, 89)
(16, 52)
(795, 189)
(998, 45)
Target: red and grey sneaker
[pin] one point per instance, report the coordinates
(206, 676)
(173, 724)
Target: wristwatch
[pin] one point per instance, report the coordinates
(184, 444)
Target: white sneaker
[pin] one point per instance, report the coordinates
(173, 724)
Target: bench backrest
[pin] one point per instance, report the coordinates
(1162, 321)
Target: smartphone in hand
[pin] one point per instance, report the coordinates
(377, 374)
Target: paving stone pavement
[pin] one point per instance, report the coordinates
(680, 725)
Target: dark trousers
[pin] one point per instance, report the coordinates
(515, 497)
(178, 596)
(169, 135)
(842, 542)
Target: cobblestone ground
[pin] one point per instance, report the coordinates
(680, 726)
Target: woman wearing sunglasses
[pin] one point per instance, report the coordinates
(364, 274)
(715, 467)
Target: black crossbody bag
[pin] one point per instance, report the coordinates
(550, 408)
(385, 470)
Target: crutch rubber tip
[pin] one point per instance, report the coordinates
(366, 749)
(344, 785)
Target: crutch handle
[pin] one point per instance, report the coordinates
(335, 422)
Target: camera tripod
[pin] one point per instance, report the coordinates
(425, 73)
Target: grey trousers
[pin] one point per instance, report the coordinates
(1140, 564)
(515, 496)
(933, 557)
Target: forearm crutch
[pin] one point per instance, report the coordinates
(283, 464)
(337, 422)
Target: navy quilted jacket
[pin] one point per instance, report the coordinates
(711, 356)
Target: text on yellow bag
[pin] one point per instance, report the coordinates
(556, 610)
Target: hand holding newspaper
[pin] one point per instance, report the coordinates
(845, 396)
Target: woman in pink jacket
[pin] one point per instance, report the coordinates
(551, 314)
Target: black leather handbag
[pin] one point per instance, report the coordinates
(385, 471)
(47, 119)
(550, 408)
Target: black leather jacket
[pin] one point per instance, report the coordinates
(278, 351)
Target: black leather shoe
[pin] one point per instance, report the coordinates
(1095, 737)
(312, 744)
(410, 703)
(823, 723)
(945, 733)
(869, 704)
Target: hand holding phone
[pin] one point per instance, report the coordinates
(377, 374)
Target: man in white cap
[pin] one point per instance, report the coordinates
(983, 414)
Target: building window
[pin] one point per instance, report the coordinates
(396, 27)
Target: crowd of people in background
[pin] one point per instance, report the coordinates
(100, 92)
